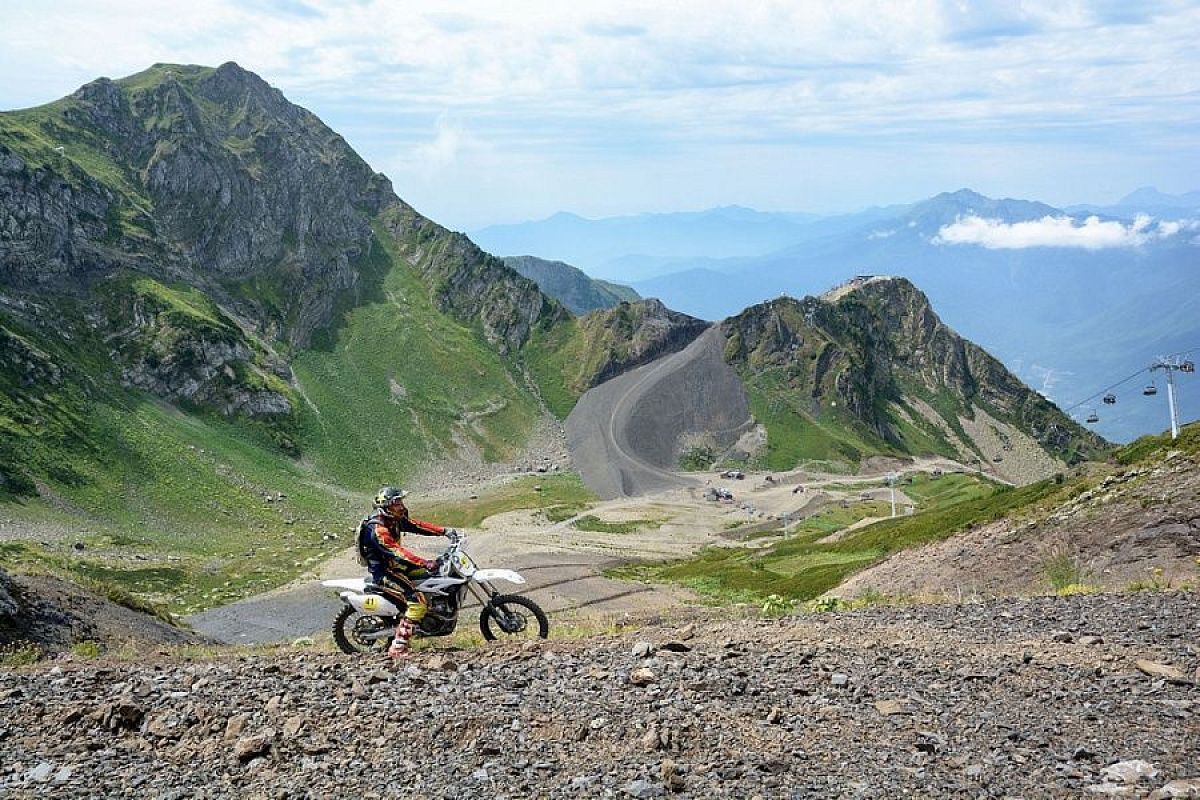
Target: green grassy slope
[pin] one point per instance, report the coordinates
(800, 567)
(397, 384)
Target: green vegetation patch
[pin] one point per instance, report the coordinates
(796, 435)
(552, 492)
(801, 567)
(591, 522)
(553, 357)
(1148, 446)
(396, 383)
(928, 491)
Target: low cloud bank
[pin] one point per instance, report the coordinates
(1092, 234)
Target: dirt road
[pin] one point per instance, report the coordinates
(624, 434)
(564, 565)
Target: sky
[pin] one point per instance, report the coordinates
(486, 112)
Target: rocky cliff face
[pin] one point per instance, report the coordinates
(52, 226)
(632, 334)
(205, 175)
(874, 354)
(210, 180)
(606, 343)
(469, 283)
(183, 349)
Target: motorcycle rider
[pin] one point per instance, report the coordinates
(393, 567)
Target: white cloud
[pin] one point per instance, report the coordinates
(1049, 379)
(443, 150)
(1017, 99)
(1049, 231)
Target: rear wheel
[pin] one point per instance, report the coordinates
(356, 632)
(513, 616)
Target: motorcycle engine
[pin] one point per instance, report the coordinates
(442, 616)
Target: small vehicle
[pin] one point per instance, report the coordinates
(719, 493)
(367, 620)
(735, 474)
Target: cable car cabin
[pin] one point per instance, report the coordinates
(1150, 390)
(1093, 418)
(1187, 366)
(1109, 399)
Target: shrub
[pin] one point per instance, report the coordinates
(699, 453)
(20, 654)
(821, 605)
(1062, 569)
(1072, 589)
(1154, 582)
(777, 606)
(86, 649)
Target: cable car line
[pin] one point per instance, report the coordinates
(1108, 390)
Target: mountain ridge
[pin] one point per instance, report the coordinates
(569, 285)
(208, 299)
(875, 351)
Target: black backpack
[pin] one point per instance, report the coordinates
(367, 550)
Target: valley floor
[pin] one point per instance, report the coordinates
(1046, 697)
(565, 564)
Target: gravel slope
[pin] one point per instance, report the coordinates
(1033, 698)
(623, 434)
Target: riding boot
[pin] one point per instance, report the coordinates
(404, 632)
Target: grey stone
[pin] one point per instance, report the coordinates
(1179, 788)
(642, 650)
(41, 773)
(1129, 772)
(642, 788)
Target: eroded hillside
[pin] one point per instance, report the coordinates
(1133, 524)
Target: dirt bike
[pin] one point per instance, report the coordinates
(366, 622)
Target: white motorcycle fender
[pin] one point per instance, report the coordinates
(353, 584)
(371, 604)
(498, 575)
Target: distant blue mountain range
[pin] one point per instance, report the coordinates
(644, 245)
(1072, 305)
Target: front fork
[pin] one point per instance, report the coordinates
(483, 592)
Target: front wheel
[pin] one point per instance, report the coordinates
(356, 632)
(515, 616)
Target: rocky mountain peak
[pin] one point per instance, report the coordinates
(101, 93)
(225, 197)
(947, 206)
(873, 355)
(232, 77)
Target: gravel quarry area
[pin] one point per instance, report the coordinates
(1090, 696)
(623, 434)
